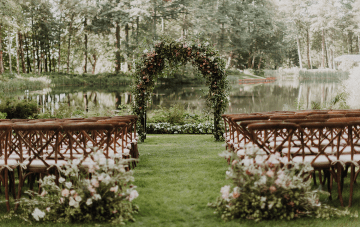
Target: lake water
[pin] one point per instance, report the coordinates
(283, 94)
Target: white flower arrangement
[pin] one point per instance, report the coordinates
(167, 128)
(106, 195)
(265, 188)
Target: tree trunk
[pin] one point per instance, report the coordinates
(37, 56)
(85, 44)
(59, 52)
(253, 62)
(323, 48)
(17, 53)
(299, 53)
(259, 65)
(127, 28)
(308, 48)
(9, 49)
(49, 56)
(33, 41)
(249, 61)
(350, 41)
(27, 54)
(69, 42)
(357, 46)
(53, 62)
(118, 59)
(40, 64)
(1, 54)
(229, 60)
(326, 55)
(45, 60)
(21, 48)
(222, 37)
(137, 30)
(127, 45)
(154, 25)
(93, 64)
(332, 59)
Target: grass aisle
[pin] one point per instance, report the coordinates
(179, 174)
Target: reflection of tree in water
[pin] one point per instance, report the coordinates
(168, 95)
(270, 97)
(261, 98)
(280, 95)
(117, 100)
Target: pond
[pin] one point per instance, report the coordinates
(285, 93)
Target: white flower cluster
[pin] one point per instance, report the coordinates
(167, 128)
(75, 190)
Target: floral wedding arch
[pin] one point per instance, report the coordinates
(169, 54)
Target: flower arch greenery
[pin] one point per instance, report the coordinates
(173, 53)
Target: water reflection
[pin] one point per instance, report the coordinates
(283, 94)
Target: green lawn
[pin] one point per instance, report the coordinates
(178, 175)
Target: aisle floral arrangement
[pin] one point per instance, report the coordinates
(269, 189)
(102, 193)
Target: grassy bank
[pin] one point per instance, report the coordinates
(102, 79)
(178, 175)
(11, 83)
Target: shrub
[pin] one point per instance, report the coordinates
(176, 115)
(3, 115)
(263, 189)
(173, 115)
(102, 193)
(22, 109)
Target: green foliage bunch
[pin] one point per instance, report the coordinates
(173, 53)
(173, 115)
(3, 115)
(101, 193)
(14, 108)
(270, 188)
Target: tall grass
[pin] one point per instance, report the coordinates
(11, 83)
(103, 79)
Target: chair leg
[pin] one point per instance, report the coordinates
(12, 177)
(352, 179)
(321, 182)
(329, 183)
(314, 178)
(19, 188)
(6, 183)
(339, 179)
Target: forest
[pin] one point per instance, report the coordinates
(94, 36)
